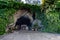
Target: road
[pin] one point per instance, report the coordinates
(30, 35)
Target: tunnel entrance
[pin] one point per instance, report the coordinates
(24, 20)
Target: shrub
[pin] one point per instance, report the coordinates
(4, 18)
(51, 22)
(7, 9)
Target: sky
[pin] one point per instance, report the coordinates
(25, 2)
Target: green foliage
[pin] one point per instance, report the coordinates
(53, 22)
(18, 5)
(7, 9)
(4, 18)
(58, 4)
(50, 20)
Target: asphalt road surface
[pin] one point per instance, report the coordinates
(30, 35)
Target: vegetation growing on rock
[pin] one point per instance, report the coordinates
(48, 13)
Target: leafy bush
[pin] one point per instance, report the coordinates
(51, 19)
(4, 18)
(51, 22)
(7, 9)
